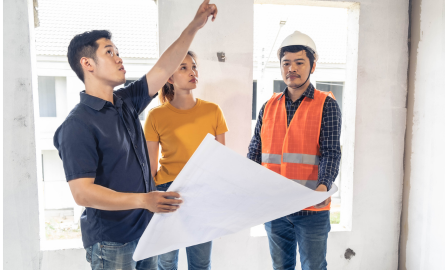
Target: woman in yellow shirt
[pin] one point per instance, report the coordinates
(179, 125)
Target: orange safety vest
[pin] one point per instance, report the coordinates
(294, 151)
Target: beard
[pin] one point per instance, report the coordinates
(295, 83)
(298, 82)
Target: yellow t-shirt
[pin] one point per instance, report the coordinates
(180, 132)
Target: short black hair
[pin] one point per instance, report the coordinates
(298, 48)
(84, 45)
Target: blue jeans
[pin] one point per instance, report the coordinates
(198, 256)
(114, 256)
(309, 232)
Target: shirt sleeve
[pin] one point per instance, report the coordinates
(137, 93)
(329, 143)
(150, 131)
(77, 149)
(221, 125)
(255, 149)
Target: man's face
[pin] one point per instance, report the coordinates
(108, 66)
(295, 68)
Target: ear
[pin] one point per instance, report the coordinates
(87, 64)
(313, 67)
(170, 80)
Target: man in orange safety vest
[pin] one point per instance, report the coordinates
(298, 136)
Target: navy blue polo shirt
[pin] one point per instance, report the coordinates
(106, 142)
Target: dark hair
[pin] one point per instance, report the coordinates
(168, 91)
(298, 48)
(84, 45)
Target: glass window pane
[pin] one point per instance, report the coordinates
(47, 96)
(278, 86)
(335, 87)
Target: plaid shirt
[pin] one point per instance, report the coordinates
(329, 137)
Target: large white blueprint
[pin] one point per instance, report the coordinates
(223, 193)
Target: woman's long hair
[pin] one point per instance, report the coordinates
(168, 91)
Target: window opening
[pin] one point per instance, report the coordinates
(279, 86)
(335, 87)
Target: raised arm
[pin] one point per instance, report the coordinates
(172, 57)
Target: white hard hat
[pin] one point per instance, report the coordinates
(298, 38)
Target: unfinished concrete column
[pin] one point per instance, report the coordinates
(21, 212)
(423, 219)
(228, 83)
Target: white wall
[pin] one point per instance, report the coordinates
(228, 84)
(57, 194)
(379, 138)
(21, 211)
(65, 259)
(423, 220)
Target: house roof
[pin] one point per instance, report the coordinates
(326, 26)
(133, 24)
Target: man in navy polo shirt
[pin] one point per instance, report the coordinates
(103, 149)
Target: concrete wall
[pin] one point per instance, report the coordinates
(21, 212)
(379, 139)
(67, 259)
(421, 245)
(228, 84)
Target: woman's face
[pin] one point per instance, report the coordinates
(186, 76)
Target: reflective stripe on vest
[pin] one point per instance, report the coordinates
(293, 149)
(301, 158)
(271, 158)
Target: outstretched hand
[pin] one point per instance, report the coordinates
(203, 13)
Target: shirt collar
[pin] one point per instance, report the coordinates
(308, 93)
(96, 103)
